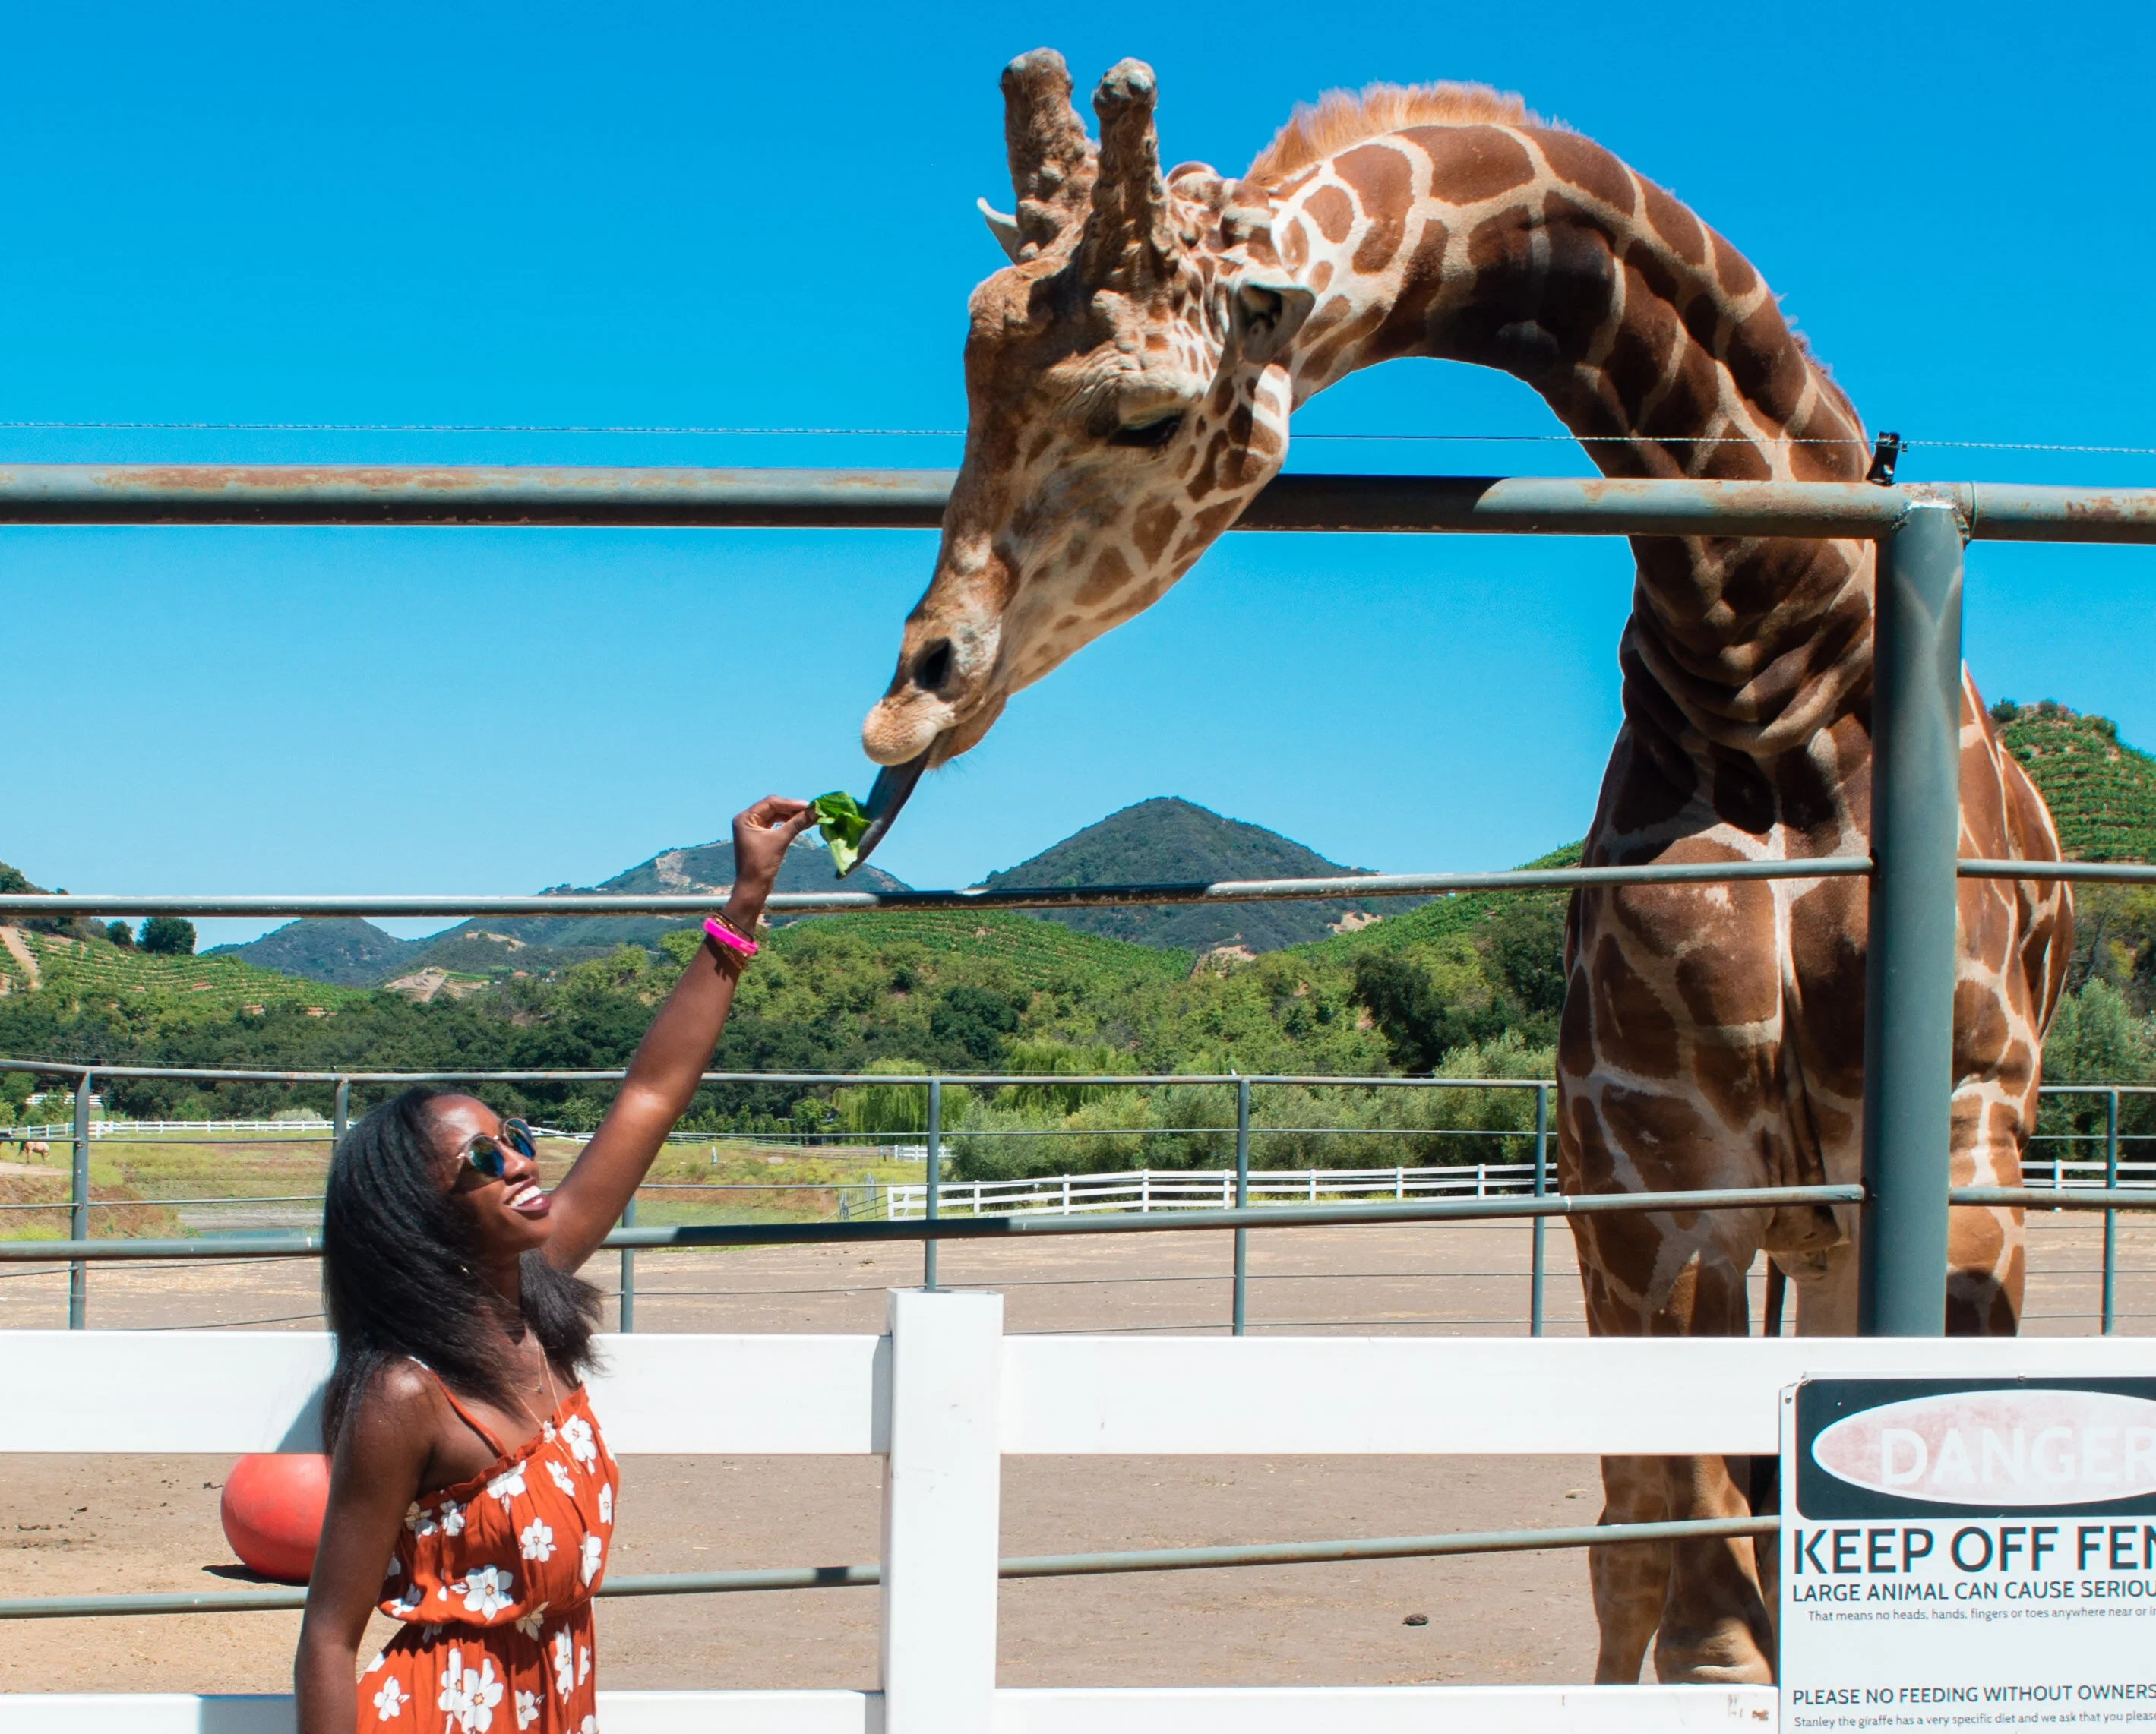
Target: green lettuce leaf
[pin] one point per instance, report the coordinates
(839, 817)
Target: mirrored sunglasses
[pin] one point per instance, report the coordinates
(489, 1154)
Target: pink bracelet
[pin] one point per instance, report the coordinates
(727, 937)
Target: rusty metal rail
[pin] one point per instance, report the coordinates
(914, 500)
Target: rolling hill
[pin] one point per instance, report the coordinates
(2101, 793)
(1167, 840)
(358, 954)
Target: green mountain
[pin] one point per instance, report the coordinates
(2101, 793)
(358, 954)
(341, 950)
(1166, 841)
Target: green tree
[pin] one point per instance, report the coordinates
(168, 936)
(120, 934)
(1419, 1024)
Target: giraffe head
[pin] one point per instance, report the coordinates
(1124, 402)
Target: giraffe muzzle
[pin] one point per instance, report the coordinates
(894, 783)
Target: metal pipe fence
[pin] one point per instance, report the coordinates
(1233, 1196)
(282, 1598)
(1912, 866)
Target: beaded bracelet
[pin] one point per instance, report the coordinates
(723, 930)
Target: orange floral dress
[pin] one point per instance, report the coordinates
(494, 1579)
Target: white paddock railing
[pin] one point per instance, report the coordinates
(1149, 1189)
(944, 1395)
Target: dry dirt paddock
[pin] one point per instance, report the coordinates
(114, 1524)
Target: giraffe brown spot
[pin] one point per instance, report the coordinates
(1630, 1022)
(1152, 528)
(1981, 1030)
(1661, 1133)
(1206, 480)
(1732, 1079)
(1110, 574)
(1766, 365)
(1579, 280)
(1826, 926)
(1731, 269)
(1384, 188)
(1687, 403)
(1040, 445)
(1469, 164)
(1321, 274)
(1803, 793)
(1584, 164)
(1325, 356)
(1205, 527)
(1326, 318)
(1743, 797)
(1406, 328)
(1726, 968)
(1295, 247)
(2016, 1066)
(1736, 460)
(1638, 352)
(1675, 225)
(1594, 1169)
(1332, 211)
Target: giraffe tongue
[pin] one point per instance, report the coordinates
(893, 784)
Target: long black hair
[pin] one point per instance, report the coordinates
(400, 1277)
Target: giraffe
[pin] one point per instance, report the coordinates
(1130, 377)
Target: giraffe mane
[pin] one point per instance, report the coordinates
(1340, 118)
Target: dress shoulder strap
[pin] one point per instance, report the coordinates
(463, 1414)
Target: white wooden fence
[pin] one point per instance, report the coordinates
(1149, 1189)
(943, 1395)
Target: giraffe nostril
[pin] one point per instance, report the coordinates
(933, 666)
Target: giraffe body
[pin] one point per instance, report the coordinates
(1130, 380)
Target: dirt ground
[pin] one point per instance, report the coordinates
(90, 1525)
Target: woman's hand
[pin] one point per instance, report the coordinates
(762, 837)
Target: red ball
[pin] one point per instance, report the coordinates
(272, 1510)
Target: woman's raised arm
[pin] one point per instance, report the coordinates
(670, 1059)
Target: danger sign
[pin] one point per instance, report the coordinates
(1964, 1554)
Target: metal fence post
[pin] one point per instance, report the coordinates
(935, 1167)
(2110, 1217)
(1909, 976)
(78, 1216)
(628, 1300)
(1541, 1189)
(1242, 1201)
(340, 1113)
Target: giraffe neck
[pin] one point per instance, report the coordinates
(1651, 338)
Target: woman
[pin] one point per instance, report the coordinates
(465, 1458)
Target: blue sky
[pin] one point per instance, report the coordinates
(762, 217)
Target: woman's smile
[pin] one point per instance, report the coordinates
(526, 1199)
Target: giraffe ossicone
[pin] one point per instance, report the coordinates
(1130, 377)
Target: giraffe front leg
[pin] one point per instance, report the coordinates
(1715, 1627)
(1630, 1580)
(1987, 1247)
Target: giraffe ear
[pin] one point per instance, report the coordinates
(1264, 313)
(1003, 228)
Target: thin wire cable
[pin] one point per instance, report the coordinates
(288, 1318)
(1973, 445)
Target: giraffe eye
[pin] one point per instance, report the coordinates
(1148, 436)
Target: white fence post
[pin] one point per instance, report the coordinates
(941, 1513)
